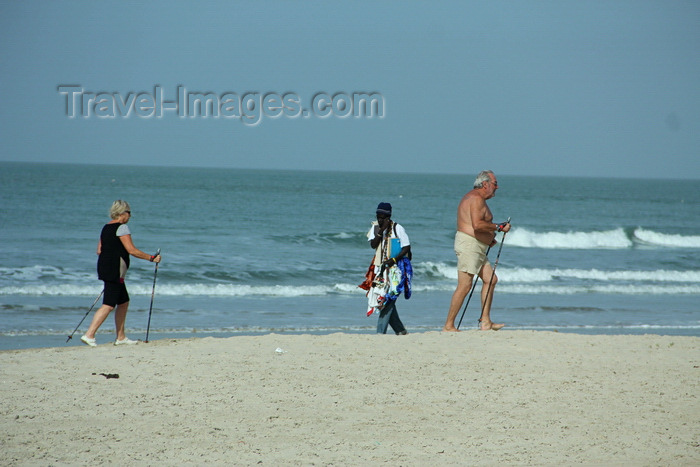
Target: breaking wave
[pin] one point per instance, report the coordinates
(428, 277)
(615, 239)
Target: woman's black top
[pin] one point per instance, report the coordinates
(112, 256)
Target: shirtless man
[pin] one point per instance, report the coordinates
(475, 233)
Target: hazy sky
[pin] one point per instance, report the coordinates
(589, 88)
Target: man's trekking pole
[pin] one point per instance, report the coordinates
(88, 312)
(153, 291)
(493, 273)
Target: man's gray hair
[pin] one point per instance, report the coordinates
(482, 177)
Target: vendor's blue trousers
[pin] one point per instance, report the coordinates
(389, 316)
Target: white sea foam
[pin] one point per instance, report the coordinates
(618, 289)
(212, 290)
(545, 275)
(610, 239)
(43, 272)
(435, 269)
(513, 281)
(233, 290)
(531, 275)
(649, 237)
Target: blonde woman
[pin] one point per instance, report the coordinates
(114, 247)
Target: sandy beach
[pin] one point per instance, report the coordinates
(473, 398)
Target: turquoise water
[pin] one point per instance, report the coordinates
(282, 251)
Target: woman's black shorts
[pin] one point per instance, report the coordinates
(115, 294)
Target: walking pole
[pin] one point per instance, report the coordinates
(493, 273)
(476, 279)
(88, 312)
(153, 291)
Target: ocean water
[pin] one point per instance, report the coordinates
(248, 251)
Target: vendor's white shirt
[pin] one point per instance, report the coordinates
(400, 234)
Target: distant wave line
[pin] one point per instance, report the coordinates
(448, 271)
(424, 271)
(609, 239)
(601, 289)
(232, 290)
